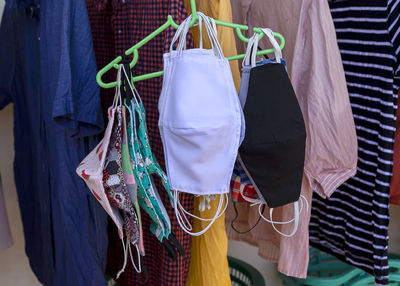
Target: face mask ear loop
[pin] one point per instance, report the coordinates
(206, 219)
(296, 221)
(117, 96)
(281, 222)
(138, 258)
(182, 219)
(277, 49)
(200, 32)
(254, 50)
(221, 199)
(246, 59)
(125, 257)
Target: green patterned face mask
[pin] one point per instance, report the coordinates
(143, 166)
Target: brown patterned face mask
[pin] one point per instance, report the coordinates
(114, 183)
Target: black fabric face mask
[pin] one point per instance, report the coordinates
(273, 148)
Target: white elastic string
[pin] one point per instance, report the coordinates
(214, 25)
(125, 257)
(205, 219)
(212, 36)
(296, 218)
(182, 39)
(296, 221)
(277, 50)
(179, 218)
(186, 223)
(178, 33)
(281, 222)
(254, 50)
(246, 59)
(200, 30)
(117, 98)
(138, 257)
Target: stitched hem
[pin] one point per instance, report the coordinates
(327, 184)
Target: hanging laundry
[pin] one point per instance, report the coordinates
(209, 262)
(353, 223)
(48, 72)
(317, 76)
(5, 233)
(129, 22)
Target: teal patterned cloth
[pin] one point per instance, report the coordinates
(144, 166)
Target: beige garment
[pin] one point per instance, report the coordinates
(317, 75)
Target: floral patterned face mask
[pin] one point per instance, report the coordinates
(103, 174)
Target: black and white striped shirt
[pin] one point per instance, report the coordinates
(353, 223)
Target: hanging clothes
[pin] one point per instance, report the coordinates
(5, 233)
(130, 22)
(209, 263)
(395, 183)
(353, 223)
(48, 73)
(100, 16)
(317, 76)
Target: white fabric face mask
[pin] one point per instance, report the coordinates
(200, 119)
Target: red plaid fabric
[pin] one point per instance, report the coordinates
(104, 46)
(130, 21)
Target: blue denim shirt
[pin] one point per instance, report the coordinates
(48, 69)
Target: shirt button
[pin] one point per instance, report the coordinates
(119, 31)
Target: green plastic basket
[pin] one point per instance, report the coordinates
(326, 270)
(243, 274)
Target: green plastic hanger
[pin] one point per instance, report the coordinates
(170, 22)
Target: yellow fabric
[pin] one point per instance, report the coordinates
(209, 263)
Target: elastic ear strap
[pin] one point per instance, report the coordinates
(117, 96)
(246, 60)
(254, 51)
(277, 50)
(178, 32)
(136, 97)
(217, 215)
(205, 219)
(212, 36)
(182, 40)
(200, 32)
(214, 26)
(125, 248)
(138, 257)
(296, 221)
(180, 217)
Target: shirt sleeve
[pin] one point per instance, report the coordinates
(76, 103)
(393, 20)
(319, 81)
(7, 56)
